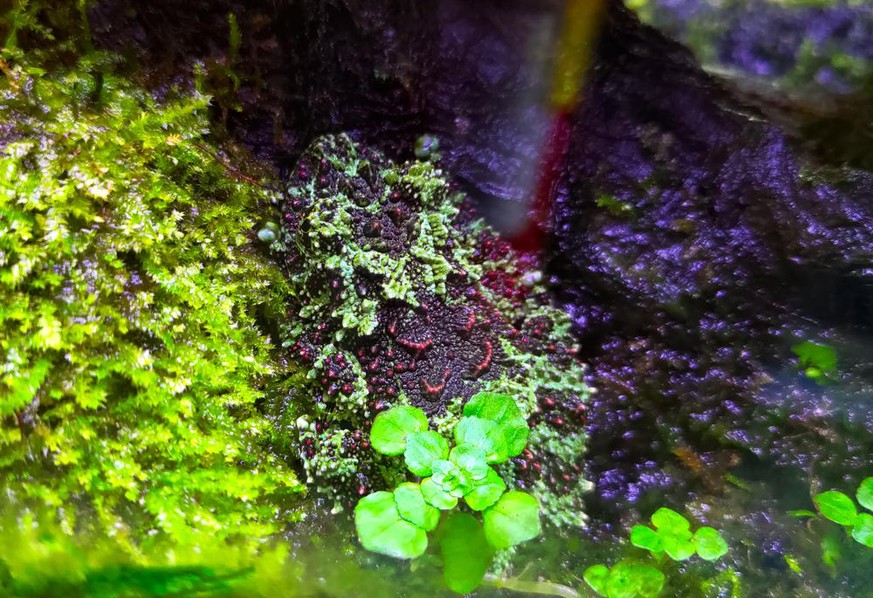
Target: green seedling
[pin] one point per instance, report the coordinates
(818, 361)
(627, 579)
(396, 523)
(670, 536)
(841, 509)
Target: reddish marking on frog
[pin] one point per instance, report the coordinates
(435, 390)
(483, 365)
(467, 328)
(416, 347)
(392, 328)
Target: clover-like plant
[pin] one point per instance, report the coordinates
(491, 430)
(670, 536)
(626, 579)
(841, 509)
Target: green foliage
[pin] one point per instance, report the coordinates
(862, 531)
(818, 361)
(485, 435)
(48, 561)
(422, 450)
(395, 523)
(615, 207)
(865, 493)
(130, 362)
(466, 552)
(670, 538)
(381, 528)
(502, 410)
(414, 508)
(710, 544)
(626, 579)
(512, 520)
(141, 581)
(837, 507)
(672, 535)
(391, 429)
(841, 509)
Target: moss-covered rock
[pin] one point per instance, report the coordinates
(400, 295)
(130, 362)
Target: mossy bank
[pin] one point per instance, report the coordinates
(130, 358)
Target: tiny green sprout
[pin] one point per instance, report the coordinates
(818, 361)
(491, 430)
(793, 564)
(672, 535)
(839, 508)
(626, 579)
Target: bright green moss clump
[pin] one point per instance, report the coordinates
(129, 356)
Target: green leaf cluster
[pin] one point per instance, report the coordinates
(130, 358)
(672, 535)
(841, 509)
(396, 523)
(669, 537)
(626, 579)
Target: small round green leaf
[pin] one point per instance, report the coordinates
(863, 530)
(486, 492)
(820, 356)
(435, 496)
(470, 458)
(502, 410)
(669, 520)
(381, 528)
(597, 576)
(710, 544)
(513, 519)
(836, 506)
(642, 536)
(865, 494)
(485, 434)
(391, 428)
(413, 508)
(634, 580)
(422, 449)
(678, 546)
(466, 553)
(495, 406)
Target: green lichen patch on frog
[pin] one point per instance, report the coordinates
(400, 295)
(130, 359)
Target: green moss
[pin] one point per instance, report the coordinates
(130, 362)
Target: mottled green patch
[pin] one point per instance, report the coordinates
(399, 295)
